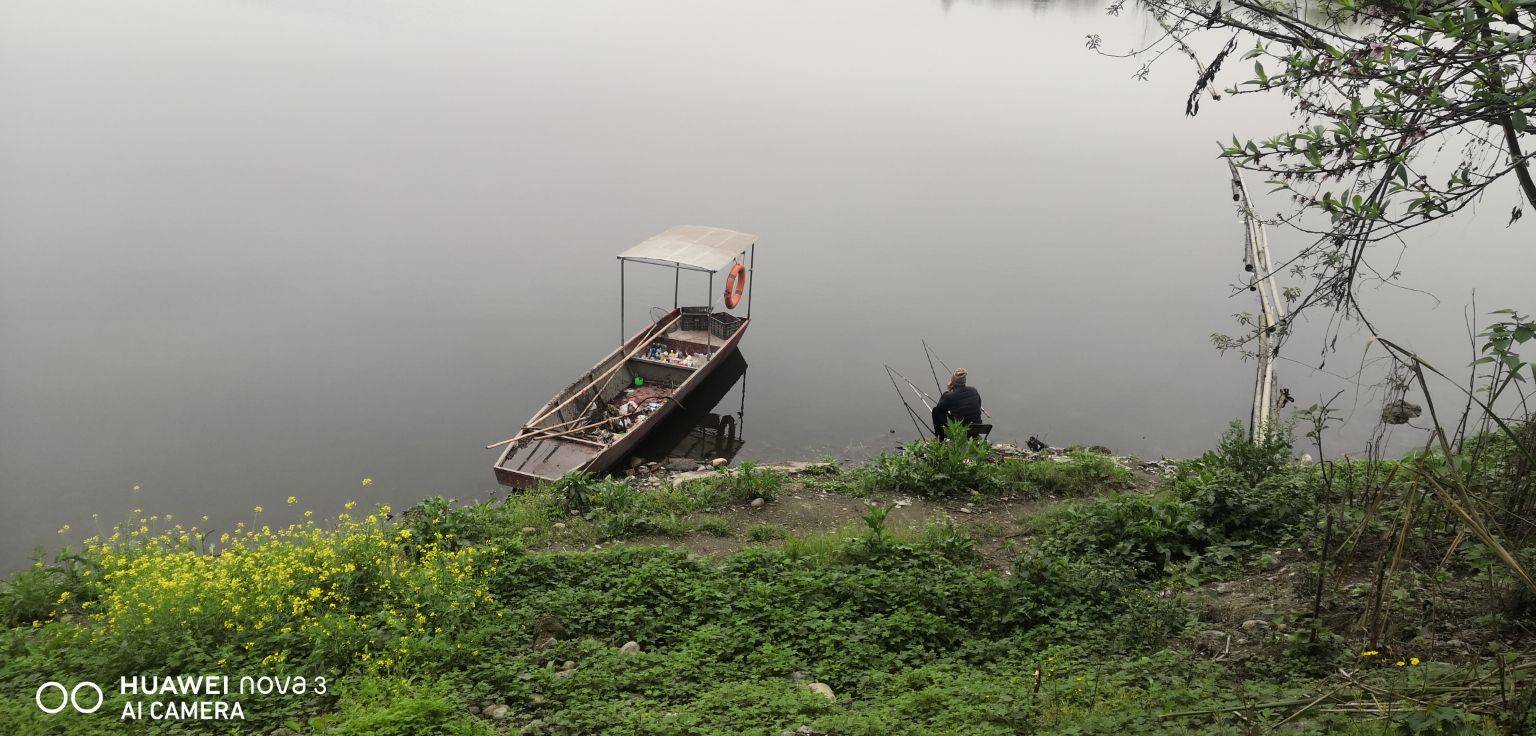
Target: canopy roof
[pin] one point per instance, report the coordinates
(693, 247)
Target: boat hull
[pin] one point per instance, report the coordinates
(524, 467)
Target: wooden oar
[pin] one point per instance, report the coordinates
(534, 435)
(527, 431)
(574, 395)
(616, 366)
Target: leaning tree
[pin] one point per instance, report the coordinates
(1407, 111)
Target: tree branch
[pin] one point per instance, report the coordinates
(1522, 170)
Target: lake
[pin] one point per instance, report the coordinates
(259, 248)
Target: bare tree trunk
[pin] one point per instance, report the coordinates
(1262, 281)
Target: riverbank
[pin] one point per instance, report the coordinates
(949, 588)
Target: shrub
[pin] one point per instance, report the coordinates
(1249, 490)
(876, 539)
(1144, 532)
(1055, 585)
(450, 526)
(301, 596)
(1253, 460)
(576, 491)
(1233, 508)
(954, 466)
(33, 593)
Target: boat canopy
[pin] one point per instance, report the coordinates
(693, 247)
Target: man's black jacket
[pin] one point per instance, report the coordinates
(963, 403)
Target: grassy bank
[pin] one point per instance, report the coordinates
(1198, 602)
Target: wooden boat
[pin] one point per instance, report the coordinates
(602, 415)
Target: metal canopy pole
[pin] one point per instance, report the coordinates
(677, 278)
(709, 314)
(751, 261)
(621, 301)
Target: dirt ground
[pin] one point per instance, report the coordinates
(999, 525)
(996, 525)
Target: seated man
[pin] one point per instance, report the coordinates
(960, 402)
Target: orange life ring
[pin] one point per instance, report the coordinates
(735, 283)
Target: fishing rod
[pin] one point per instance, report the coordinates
(921, 395)
(934, 355)
(928, 353)
(911, 413)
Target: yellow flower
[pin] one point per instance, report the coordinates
(64, 529)
(1369, 653)
(1413, 661)
(1400, 663)
(367, 482)
(405, 534)
(349, 505)
(293, 500)
(135, 487)
(257, 509)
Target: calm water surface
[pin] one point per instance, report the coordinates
(260, 248)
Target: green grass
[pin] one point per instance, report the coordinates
(913, 640)
(381, 706)
(592, 509)
(415, 618)
(961, 467)
(817, 549)
(715, 526)
(1074, 474)
(743, 483)
(766, 532)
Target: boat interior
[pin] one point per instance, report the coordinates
(699, 330)
(607, 409)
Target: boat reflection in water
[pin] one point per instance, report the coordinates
(708, 426)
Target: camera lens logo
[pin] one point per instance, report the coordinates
(67, 697)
